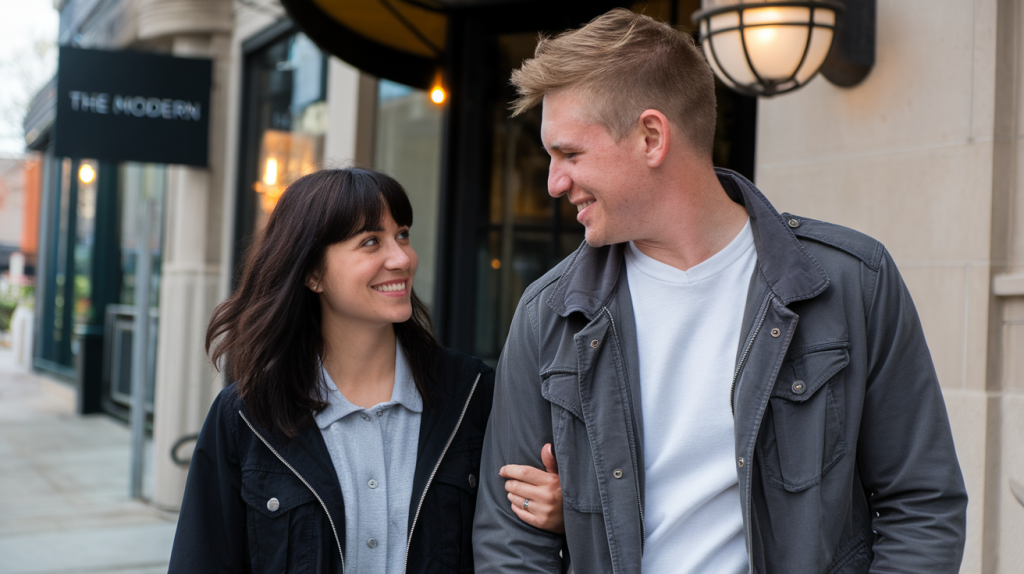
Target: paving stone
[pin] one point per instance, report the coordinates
(64, 487)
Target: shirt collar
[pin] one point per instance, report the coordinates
(404, 393)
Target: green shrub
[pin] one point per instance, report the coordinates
(7, 305)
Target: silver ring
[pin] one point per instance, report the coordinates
(526, 504)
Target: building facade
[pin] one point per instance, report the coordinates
(926, 155)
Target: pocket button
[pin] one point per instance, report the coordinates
(273, 505)
(799, 387)
(617, 473)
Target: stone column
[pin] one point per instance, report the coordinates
(186, 383)
(1003, 503)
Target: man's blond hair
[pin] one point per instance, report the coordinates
(623, 63)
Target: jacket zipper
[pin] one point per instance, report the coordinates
(636, 472)
(437, 465)
(732, 398)
(296, 473)
(743, 357)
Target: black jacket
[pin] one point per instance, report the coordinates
(226, 524)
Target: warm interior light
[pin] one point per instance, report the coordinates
(437, 93)
(286, 156)
(270, 173)
(496, 263)
(86, 174)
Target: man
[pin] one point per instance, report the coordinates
(727, 390)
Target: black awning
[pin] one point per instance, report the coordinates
(400, 40)
(404, 40)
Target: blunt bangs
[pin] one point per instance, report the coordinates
(360, 203)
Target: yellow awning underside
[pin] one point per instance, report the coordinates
(373, 20)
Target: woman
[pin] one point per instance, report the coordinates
(351, 440)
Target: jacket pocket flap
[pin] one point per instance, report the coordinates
(467, 481)
(461, 466)
(807, 373)
(561, 388)
(273, 493)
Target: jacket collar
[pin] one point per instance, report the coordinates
(308, 455)
(790, 271)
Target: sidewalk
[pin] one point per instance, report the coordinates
(64, 505)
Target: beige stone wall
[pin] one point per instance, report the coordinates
(925, 155)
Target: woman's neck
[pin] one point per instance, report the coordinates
(360, 359)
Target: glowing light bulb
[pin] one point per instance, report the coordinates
(437, 93)
(270, 173)
(86, 174)
(765, 35)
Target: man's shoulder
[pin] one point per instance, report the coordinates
(834, 238)
(540, 289)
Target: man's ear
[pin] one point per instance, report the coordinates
(657, 133)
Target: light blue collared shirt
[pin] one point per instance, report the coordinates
(374, 454)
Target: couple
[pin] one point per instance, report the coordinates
(726, 389)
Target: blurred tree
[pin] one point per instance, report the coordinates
(23, 71)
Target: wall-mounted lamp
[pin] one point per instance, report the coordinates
(765, 47)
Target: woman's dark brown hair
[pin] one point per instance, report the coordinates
(269, 330)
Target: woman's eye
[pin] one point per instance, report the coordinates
(404, 234)
(370, 241)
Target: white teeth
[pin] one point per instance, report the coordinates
(583, 206)
(391, 287)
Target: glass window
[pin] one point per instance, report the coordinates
(525, 231)
(407, 146)
(138, 179)
(286, 118)
(84, 240)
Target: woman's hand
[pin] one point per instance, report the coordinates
(542, 489)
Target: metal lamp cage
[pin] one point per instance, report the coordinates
(768, 48)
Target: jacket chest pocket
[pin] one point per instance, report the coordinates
(802, 436)
(454, 494)
(282, 521)
(576, 469)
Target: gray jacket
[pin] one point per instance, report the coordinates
(843, 449)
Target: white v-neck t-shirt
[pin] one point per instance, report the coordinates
(688, 327)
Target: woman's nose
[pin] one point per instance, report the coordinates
(399, 257)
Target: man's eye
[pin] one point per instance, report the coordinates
(571, 155)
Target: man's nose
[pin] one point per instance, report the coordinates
(558, 181)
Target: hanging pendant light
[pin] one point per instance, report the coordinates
(764, 48)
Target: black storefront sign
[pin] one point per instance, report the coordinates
(132, 106)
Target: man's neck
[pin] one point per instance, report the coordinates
(693, 221)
